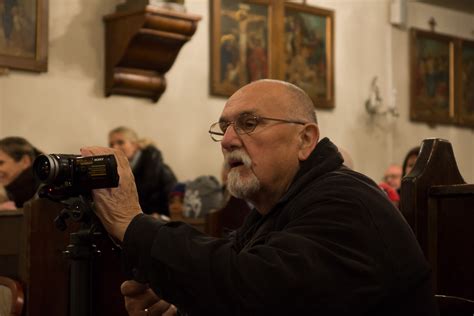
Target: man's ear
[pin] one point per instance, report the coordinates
(309, 137)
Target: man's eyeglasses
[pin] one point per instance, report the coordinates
(244, 124)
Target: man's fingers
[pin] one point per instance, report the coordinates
(141, 301)
(95, 151)
(132, 288)
(116, 207)
(160, 308)
(122, 160)
(172, 311)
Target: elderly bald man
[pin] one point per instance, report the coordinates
(322, 239)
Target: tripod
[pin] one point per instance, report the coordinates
(81, 252)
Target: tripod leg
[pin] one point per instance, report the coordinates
(81, 292)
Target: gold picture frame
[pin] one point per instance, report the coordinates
(432, 79)
(24, 35)
(465, 75)
(240, 51)
(258, 39)
(308, 54)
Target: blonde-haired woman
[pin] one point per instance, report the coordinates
(154, 179)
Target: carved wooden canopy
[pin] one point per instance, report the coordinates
(141, 46)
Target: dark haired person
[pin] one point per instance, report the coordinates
(16, 175)
(410, 160)
(321, 240)
(409, 163)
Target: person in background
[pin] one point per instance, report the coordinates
(3, 195)
(410, 160)
(391, 183)
(154, 179)
(393, 176)
(322, 239)
(16, 174)
(176, 201)
(392, 194)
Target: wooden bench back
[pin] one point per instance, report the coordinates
(439, 206)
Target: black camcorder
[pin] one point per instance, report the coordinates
(68, 176)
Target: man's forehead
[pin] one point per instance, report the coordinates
(261, 104)
(232, 111)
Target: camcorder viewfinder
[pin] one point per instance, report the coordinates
(68, 176)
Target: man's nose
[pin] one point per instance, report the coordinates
(231, 138)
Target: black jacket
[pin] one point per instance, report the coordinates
(23, 188)
(154, 180)
(333, 245)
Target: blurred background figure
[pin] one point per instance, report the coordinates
(408, 163)
(154, 179)
(16, 174)
(393, 176)
(3, 195)
(202, 196)
(391, 183)
(176, 201)
(410, 160)
(392, 194)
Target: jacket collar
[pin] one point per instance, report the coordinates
(23, 187)
(324, 158)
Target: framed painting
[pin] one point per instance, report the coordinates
(432, 77)
(465, 71)
(24, 34)
(240, 50)
(308, 51)
(258, 39)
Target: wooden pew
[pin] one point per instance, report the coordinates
(439, 206)
(31, 250)
(219, 222)
(229, 217)
(11, 237)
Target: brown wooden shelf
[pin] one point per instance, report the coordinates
(141, 46)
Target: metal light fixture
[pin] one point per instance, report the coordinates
(374, 104)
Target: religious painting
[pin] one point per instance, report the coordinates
(308, 52)
(24, 34)
(239, 48)
(465, 71)
(432, 77)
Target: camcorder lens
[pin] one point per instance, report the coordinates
(43, 168)
(54, 169)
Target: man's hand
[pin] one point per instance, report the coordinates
(140, 300)
(116, 207)
(8, 206)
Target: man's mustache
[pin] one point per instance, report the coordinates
(236, 158)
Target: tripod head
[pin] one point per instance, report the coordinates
(76, 208)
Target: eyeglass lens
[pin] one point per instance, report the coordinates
(244, 123)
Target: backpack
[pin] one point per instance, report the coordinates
(202, 195)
